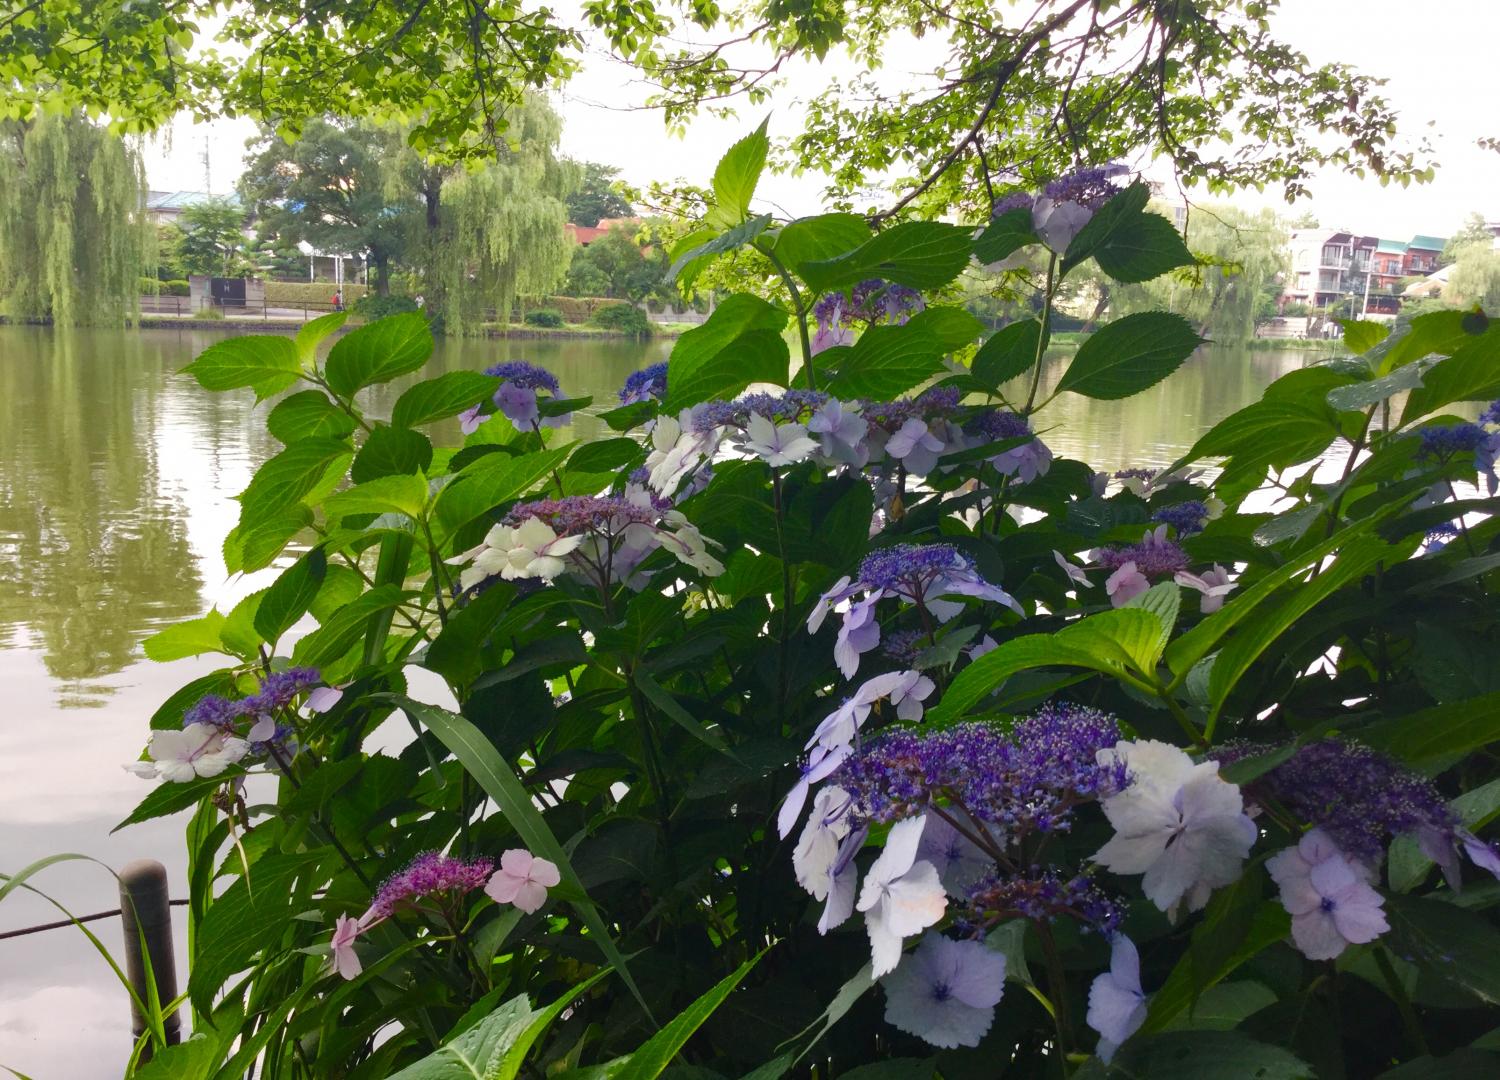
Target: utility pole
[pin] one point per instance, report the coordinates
(208, 181)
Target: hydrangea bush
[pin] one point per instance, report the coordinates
(820, 718)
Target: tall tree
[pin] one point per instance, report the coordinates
(499, 231)
(1475, 277)
(617, 265)
(1473, 231)
(213, 239)
(1241, 252)
(74, 242)
(330, 188)
(594, 197)
(1032, 88)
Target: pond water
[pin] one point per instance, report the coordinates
(116, 485)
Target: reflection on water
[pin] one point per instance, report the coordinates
(116, 485)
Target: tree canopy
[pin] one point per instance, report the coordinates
(213, 238)
(593, 197)
(331, 188)
(1025, 91)
(73, 240)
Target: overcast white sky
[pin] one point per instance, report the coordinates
(1437, 55)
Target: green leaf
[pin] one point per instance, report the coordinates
(311, 334)
(378, 352)
(258, 546)
(919, 254)
(1222, 1007)
(169, 798)
(736, 176)
(1361, 395)
(1115, 642)
(1470, 374)
(1129, 355)
(266, 362)
(652, 1058)
(308, 414)
(825, 236)
(490, 481)
(1439, 733)
(195, 1059)
(1008, 353)
(951, 327)
(1164, 601)
(285, 479)
(1192, 646)
(722, 357)
(1457, 946)
(189, 638)
(391, 451)
(249, 918)
(1441, 332)
(403, 493)
(886, 361)
(1005, 235)
(690, 263)
(239, 634)
(663, 700)
(496, 1047)
(290, 595)
(1361, 335)
(498, 779)
(1270, 621)
(1205, 1055)
(604, 456)
(345, 627)
(447, 395)
(1268, 924)
(1113, 215)
(1141, 247)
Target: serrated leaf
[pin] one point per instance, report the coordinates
(391, 451)
(403, 493)
(308, 414)
(918, 254)
(493, 480)
(824, 236)
(267, 363)
(736, 176)
(1129, 355)
(191, 637)
(291, 594)
(447, 395)
(378, 352)
(311, 334)
(1361, 336)
(285, 479)
(1005, 235)
(1009, 352)
(886, 361)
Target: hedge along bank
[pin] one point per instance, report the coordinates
(808, 680)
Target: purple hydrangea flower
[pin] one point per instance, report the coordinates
(529, 376)
(573, 515)
(643, 385)
(1043, 895)
(1016, 200)
(1357, 795)
(1154, 557)
(1445, 441)
(1186, 517)
(215, 711)
(946, 991)
(1491, 414)
(429, 874)
(280, 688)
(1025, 462)
(1020, 782)
(1090, 188)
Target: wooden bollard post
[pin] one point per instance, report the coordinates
(146, 916)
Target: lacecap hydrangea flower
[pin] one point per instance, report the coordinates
(516, 399)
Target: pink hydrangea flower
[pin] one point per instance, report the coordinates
(1329, 898)
(1125, 584)
(344, 959)
(523, 880)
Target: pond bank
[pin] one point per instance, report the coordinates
(291, 326)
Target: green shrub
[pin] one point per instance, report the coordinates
(624, 318)
(319, 293)
(544, 317)
(176, 287)
(148, 286)
(212, 313)
(378, 307)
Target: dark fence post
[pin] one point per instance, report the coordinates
(146, 916)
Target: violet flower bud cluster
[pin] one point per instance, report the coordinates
(517, 399)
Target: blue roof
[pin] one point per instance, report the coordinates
(181, 200)
(1395, 246)
(1427, 243)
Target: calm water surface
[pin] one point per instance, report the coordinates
(116, 479)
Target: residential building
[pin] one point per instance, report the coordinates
(586, 235)
(1422, 253)
(165, 207)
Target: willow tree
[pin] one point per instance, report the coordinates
(74, 240)
(500, 229)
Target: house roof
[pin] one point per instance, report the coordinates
(181, 200)
(585, 234)
(1395, 246)
(1427, 243)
